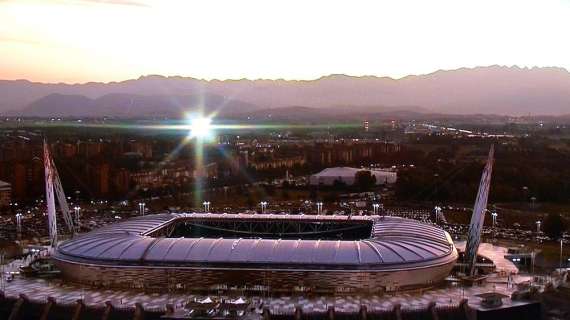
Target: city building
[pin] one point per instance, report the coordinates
(5, 194)
(173, 173)
(278, 163)
(349, 152)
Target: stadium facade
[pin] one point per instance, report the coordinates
(347, 175)
(260, 253)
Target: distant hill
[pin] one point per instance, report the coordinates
(298, 113)
(481, 90)
(57, 104)
(132, 106)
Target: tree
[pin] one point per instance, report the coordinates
(331, 197)
(249, 201)
(339, 185)
(554, 225)
(313, 194)
(364, 180)
(269, 189)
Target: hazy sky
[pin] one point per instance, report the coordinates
(106, 40)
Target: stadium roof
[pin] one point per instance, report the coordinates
(394, 241)
(338, 172)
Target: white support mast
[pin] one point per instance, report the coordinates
(478, 217)
(54, 183)
(62, 201)
(50, 200)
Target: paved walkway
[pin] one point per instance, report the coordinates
(495, 254)
(40, 289)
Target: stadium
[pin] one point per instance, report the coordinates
(261, 252)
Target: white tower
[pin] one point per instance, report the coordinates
(478, 217)
(50, 200)
(52, 180)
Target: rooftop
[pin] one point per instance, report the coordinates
(393, 242)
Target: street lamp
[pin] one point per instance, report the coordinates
(319, 207)
(263, 206)
(375, 207)
(19, 223)
(141, 208)
(538, 222)
(206, 206)
(494, 215)
(561, 242)
(532, 256)
(77, 209)
(437, 213)
(2, 258)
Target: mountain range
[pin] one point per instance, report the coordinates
(481, 90)
(128, 105)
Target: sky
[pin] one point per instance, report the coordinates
(111, 40)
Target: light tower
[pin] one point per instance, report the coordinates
(19, 224)
(263, 205)
(494, 215)
(438, 211)
(206, 205)
(561, 250)
(375, 207)
(319, 208)
(77, 210)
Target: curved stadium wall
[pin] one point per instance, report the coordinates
(259, 253)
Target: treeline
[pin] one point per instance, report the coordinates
(522, 172)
